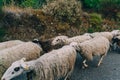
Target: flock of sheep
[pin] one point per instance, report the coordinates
(40, 61)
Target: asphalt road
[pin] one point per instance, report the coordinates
(109, 70)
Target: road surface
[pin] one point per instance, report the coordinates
(109, 70)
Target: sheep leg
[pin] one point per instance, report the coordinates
(114, 46)
(68, 76)
(100, 61)
(84, 64)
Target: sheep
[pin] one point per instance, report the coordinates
(116, 42)
(115, 32)
(97, 46)
(45, 44)
(65, 40)
(108, 35)
(59, 40)
(28, 50)
(8, 44)
(54, 65)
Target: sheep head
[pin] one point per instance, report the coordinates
(17, 68)
(59, 40)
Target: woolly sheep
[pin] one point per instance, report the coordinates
(8, 44)
(115, 32)
(59, 40)
(28, 50)
(54, 65)
(97, 46)
(65, 40)
(107, 35)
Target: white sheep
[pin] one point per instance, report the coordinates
(115, 32)
(108, 35)
(65, 40)
(29, 50)
(54, 65)
(59, 40)
(8, 44)
(97, 46)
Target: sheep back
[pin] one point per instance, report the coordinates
(78, 39)
(107, 35)
(56, 64)
(8, 44)
(28, 50)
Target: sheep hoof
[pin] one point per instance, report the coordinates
(98, 65)
(84, 66)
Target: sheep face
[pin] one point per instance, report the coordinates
(17, 68)
(59, 40)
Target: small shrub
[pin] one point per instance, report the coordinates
(95, 22)
(64, 10)
(118, 16)
(95, 19)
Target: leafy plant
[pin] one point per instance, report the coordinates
(95, 19)
(64, 10)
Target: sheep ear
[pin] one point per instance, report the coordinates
(23, 64)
